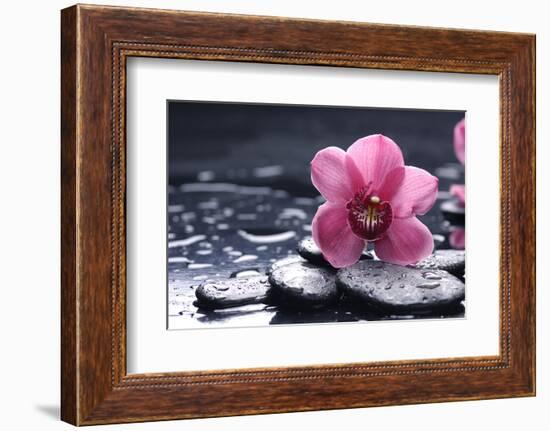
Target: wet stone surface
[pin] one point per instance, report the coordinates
(309, 251)
(401, 290)
(222, 231)
(233, 292)
(453, 261)
(293, 258)
(303, 285)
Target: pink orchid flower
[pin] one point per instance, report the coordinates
(371, 196)
(457, 238)
(458, 190)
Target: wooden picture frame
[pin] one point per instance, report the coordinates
(95, 43)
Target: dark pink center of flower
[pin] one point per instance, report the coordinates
(368, 216)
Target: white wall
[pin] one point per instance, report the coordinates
(29, 215)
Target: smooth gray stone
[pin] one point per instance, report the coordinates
(367, 255)
(453, 211)
(303, 285)
(400, 289)
(232, 292)
(309, 251)
(293, 258)
(453, 261)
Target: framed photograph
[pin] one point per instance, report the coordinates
(264, 215)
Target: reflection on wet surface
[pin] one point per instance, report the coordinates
(219, 230)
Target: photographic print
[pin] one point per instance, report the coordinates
(295, 214)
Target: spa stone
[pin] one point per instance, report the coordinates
(303, 285)
(309, 251)
(453, 261)
(399, 289)
(293, 258)
(232, 292)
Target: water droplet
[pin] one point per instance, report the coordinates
(304, 201)
(267, 238)
(438, 238)
(186, 241)
(431, 285)
(267, 171)
(251, 272)
(179, 259)
(206, 176)
(199, 265)
(431, 276)
(189, 229)
(289, 213)
(245, 216)
(175, 208)
(246, 258)
(208, 205)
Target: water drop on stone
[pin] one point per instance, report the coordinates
(431, 285)
(431, 276)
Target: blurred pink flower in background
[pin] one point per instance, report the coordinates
(460, 140)
(458, 190)
(457, 238)
(371, 196)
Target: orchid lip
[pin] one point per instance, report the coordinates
(369, 217)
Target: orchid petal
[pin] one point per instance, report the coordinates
(354, 174)
(391, 183)
(415, 195)
(375, 156)
(407, 241)
(333, 236)
(460, 141)
(329, 175)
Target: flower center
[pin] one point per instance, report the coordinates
(368, 216)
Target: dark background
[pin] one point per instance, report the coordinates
(232, 139)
